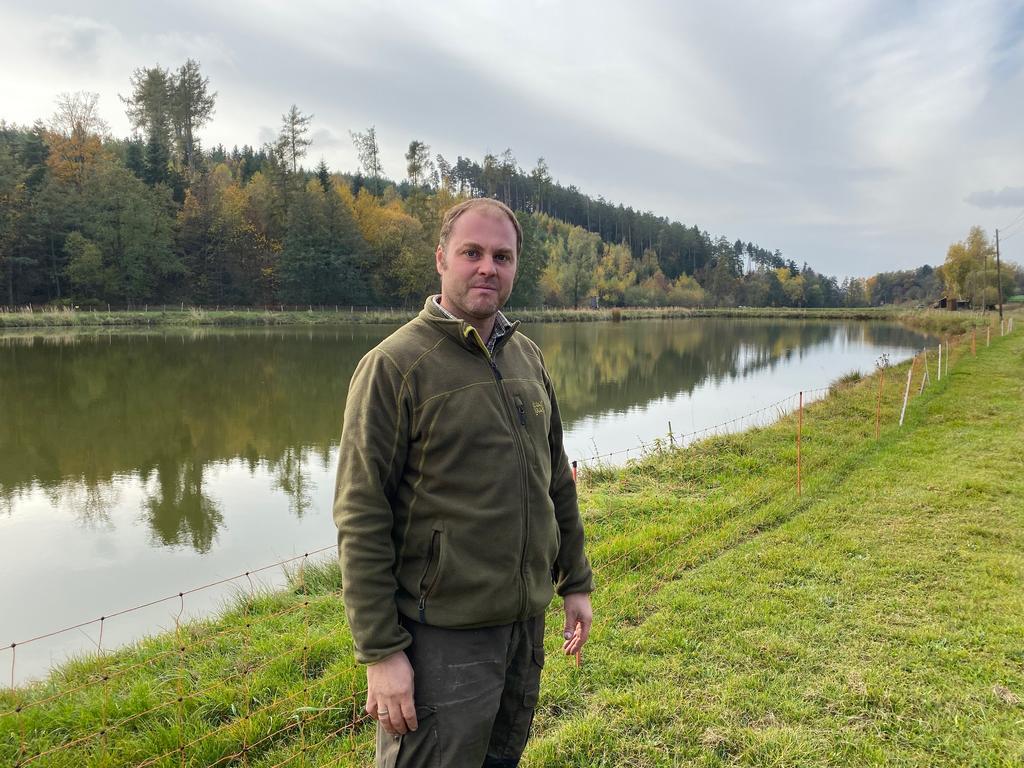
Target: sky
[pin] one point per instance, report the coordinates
(857, 136)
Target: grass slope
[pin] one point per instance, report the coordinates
(876, 619)
(879, 619)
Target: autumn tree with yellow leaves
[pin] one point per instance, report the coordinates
(969, 271)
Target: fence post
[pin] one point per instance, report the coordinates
(671, 437)
(179, 639)
(19, 698)
(105, 700)
(878, 404)
(906, 392)
(940, 362)
(974, 338)
(799, 434)
(988, 335)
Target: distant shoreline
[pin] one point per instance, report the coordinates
(930, 320)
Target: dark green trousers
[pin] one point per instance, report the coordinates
(475, 693)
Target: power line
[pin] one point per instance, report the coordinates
(1018, 219)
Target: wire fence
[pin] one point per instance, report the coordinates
(274, 681)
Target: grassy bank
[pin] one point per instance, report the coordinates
(877, 619)
(195, 317)
(928, 320)
(874, 619)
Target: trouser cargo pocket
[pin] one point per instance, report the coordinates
(416, 749)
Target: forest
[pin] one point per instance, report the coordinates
(88, 219)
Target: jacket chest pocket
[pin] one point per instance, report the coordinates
(532, 413)
(432, 569)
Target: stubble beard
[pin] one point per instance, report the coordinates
(463, 302)
(480, 309)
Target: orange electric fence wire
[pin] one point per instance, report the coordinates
(690, 435)
(659, 575)
(247, 574)
(260, 710)
(138, 715)
(149, 661)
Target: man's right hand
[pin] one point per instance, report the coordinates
(389, 690)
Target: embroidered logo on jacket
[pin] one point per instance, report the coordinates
(538, 407)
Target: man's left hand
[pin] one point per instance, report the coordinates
(578, 618)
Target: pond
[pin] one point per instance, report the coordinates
(134, 466)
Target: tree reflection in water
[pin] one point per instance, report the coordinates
(179, 512)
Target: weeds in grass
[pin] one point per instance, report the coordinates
(846, 380)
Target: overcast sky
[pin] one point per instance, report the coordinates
(856, 136)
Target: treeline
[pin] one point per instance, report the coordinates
(89, 219)
(970, 274)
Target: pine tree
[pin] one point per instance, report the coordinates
(191, 107)
(149, 110)
(368, 152)
(135, 157)
(292, 141)
(323, 175)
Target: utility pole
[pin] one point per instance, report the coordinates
(999, 280)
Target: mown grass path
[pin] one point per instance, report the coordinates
(876, 619)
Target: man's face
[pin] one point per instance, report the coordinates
(479, 265)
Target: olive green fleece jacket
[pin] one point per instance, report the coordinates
(455, 503)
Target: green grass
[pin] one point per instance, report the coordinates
(946, 322)
(876, 619)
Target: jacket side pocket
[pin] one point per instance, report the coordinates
(432, 570)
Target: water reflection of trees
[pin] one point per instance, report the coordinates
(178, 512)
(77, 417)
(290, 476)
(598, 367)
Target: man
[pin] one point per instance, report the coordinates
(456, 514)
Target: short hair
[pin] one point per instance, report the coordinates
(453, 213)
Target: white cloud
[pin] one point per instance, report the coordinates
(1007, 197)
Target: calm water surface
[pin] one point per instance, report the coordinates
(135, 466)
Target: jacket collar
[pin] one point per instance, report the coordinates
(464, 333)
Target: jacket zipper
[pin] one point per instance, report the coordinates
(433, 559)
(521, 410)
(524, 487)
